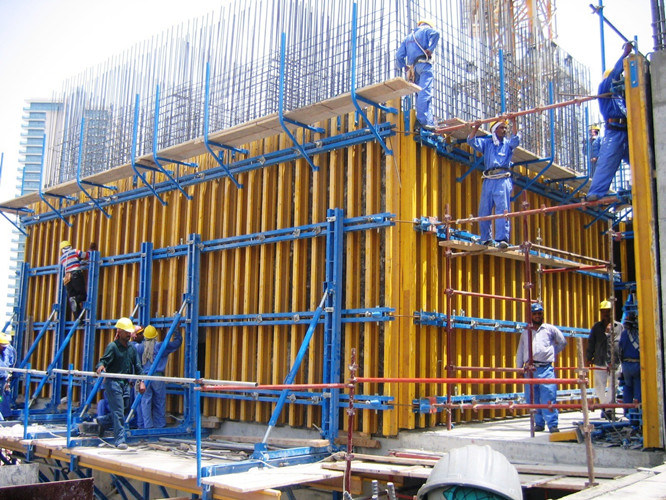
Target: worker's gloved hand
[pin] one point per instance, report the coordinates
(100, 369)
(628, 47)
(93, 246)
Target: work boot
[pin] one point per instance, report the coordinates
(503, 245)
(553, 430)
(72, 304)
(89, 428)
(539, 428)
(591, 197)
(489, 243)
(122, 446)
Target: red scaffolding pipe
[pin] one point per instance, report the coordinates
(484, 295)
(467, 380)
(538, 109)
(293, 387)
(569, 269)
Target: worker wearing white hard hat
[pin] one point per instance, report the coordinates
(415, 55)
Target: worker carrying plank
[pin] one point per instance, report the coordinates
(497, 151)
(71, 266)
(415, 56)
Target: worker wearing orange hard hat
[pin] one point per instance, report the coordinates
(415, 55)
(615, 144)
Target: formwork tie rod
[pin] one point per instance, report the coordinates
(516, 114)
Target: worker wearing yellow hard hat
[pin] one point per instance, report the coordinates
(615, 146)
(605, 361)
(415, 56)
(7, 360)
(120, 356)
(153, 402)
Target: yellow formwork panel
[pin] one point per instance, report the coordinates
(395, 267)
(645, 248)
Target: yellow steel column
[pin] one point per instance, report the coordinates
(645, 247)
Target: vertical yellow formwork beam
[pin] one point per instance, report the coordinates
(645, 248)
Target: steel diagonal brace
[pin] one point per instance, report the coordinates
(17, 210)
(135, 165)
(208, 143)
(57, 357)
(80, 183)
(41, 333)
(160, 353)
(157, 159)
(355, 97)
(281, 116)
(291, 376)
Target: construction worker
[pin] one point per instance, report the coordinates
(75, 284)
(547, 343)
(604, 334)
(630, 354)
(7, 360)
(497, 151)
(153, 401)
(615, 144)
(119, 357)
(415, 55)
(592, 145)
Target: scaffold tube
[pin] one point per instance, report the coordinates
(484, 295)
(569, 269)
(467, 380)
(280, 387)
(528, 406)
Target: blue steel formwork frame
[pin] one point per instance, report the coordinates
(333, 229)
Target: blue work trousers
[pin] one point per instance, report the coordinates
(614, 149)
(118, 396)
(544, 394)
(423, 78)
(5, 404)
(631, 371)
(495, 193)
(153, 405)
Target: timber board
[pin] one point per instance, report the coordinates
(510, 253)
(236, 136)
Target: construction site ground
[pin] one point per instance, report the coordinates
(558, 467)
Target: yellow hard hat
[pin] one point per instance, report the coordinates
(605, 304)
(4, 339)
(595, 127)
(65, 244)
(607, 73)
(125, 324)
(150, 332)
(429, 22)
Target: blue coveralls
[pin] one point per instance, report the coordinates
(7, 359)
(408, 54)
(631, 366)
(547, 343)
(153, 401)
(495, 192)
(615, 143)
(118, 359)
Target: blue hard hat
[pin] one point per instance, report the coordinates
(536, 307)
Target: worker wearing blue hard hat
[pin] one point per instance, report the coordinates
(415, 55)
(547, 342)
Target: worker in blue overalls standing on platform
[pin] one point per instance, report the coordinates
(497, 150)
(615, 143)
(415, 55)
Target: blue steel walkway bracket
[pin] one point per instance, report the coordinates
(208, 143)
(80, 183)
(355, 97)
(157, 159)
(135, 165)
(17, 211)
(43, 195)
(281, 117)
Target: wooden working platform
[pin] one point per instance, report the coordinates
(520, 154)
(236, 136)
(514, 253)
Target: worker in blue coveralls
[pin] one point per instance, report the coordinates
(497, 151)
(119, 357)
(547, 343)
(630, 355)
(615, 144)
(7, 360)
(415, 55)
(153, 401)
(593, 145)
